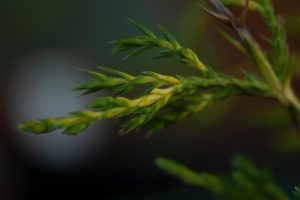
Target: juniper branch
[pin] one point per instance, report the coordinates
(158, 106)
(251, 46)
(108, 107)
(183, 109)
(165, 91)
(246, 181)
(275, 69)
(169, 46)
(122, 83)
(190, 177)
(171, 99)
(279, 58)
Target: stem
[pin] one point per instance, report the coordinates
(293, 107)
(244, 13)
(262, 62)
(283, 92)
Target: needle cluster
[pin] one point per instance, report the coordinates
(169, 99)
(166, 100)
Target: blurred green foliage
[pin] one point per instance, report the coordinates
(246, 181)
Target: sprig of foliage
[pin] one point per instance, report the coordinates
(274, 67)
(176, 97)
(169, 46)
(189, 177)
(251, 47)
(171, 99)
(122, 83)
(246, 181)
(279, 58)
(176, 94)
(167, 100)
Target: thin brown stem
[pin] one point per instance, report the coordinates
(244, 13)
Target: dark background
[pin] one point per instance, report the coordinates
(43, 43)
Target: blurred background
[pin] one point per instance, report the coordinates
(43, 43)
